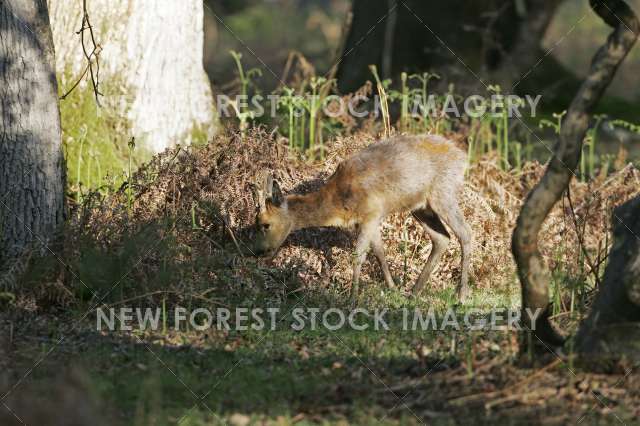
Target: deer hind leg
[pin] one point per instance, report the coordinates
(448, 209)
(439, 241)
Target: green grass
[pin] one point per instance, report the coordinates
(280, 377)
(272, 376)
(267, 376)
(95, 142)
(206, 378)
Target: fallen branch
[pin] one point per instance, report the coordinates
(486, 395)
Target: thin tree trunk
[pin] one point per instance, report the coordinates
(527, 48)
(613, 326)
(31, 160)
(533, 273)
(389, 34)
(364, 45)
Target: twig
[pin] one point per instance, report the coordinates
(95, 53)
(539, 394)
(470, 398)
(153, 293)
(561, 314)
(580, 235)
(389, 37)
(287, 67)
(63, 97)
(233, 237)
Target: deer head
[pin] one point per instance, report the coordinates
(273, 221)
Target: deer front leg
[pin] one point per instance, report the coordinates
(359, 255)
(378, 250)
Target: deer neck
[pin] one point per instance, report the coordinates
(313, 209)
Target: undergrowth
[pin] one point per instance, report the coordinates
(177, 231)
(95, 142)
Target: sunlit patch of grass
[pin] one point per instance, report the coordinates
(375, 295)
(95, 142)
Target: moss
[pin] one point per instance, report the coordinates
(199, 135)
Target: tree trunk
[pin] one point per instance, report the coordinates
(153, 50)
(495, 39)
(527, 50)
(533, 273)
(364, 45)
(31, 160)
(613, 326)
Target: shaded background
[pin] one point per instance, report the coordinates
(271, 29)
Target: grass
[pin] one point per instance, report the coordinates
(287, 377)
(208, 378)
(302, 121)
(384, 99)
(95, 142)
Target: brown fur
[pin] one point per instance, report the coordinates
(421, 174)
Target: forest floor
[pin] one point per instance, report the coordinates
(68, 371)
(183, 240)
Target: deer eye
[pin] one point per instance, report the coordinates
(265, 226)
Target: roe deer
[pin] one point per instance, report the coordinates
(421, 174)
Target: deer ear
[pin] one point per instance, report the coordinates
(258, 197)
(261, 189)
(277, 198)
(268, 186)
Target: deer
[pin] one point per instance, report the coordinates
(419, 174)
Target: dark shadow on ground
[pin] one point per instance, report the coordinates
(362, 378)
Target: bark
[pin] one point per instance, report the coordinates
(365, 44)
(532, 271)
(612, 329)
(151, 49)
(527, 50)
(31, 160)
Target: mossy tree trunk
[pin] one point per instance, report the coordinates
(532, 271)
(31, 160)
(151, 64)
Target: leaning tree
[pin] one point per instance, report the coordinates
(614, 322)
(32, 167)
